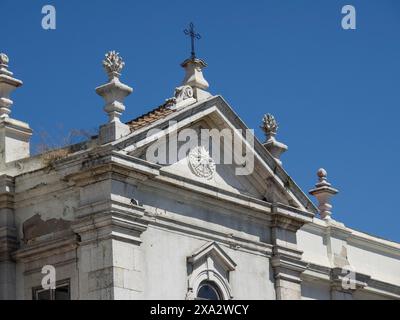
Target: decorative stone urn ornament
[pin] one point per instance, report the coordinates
(14, 134)
(323, 192)
(269, 125)
(7, 85)
(113, 64)
(270, 128)
(4, 64)
(114, 92)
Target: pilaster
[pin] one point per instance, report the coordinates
(109, 224)
(286, 260)
(8, 239)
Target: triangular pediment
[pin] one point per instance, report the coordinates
(214, 251)
(199, 165)
(265, 180)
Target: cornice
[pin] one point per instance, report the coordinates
(110, 220)
(47, 247)
(119, 166)
(333, 277)
(354, 238)
(101, 168)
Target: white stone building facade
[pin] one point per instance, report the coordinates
(115, 225)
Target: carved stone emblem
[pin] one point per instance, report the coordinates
(183, 93)
(183, 96)
(200, 162)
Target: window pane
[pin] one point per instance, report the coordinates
(43, 295)
(62, 293)
(208, 292)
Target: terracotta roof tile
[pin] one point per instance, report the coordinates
(150, 117)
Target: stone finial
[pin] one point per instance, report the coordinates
(114, 92)
(14, 134)
(270, 128)
(4, 64)
(323, 191)
(3, 58)
(194, 77)
(7, 85)
(113, 64)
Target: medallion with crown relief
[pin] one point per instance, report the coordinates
(200, 162)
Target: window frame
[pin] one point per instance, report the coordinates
(59, 284)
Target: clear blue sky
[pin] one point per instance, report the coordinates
(335, 93)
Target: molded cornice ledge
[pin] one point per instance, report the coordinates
(288, 217)
(111, 166)
(110, 220)
(287, 268)
(57, 244)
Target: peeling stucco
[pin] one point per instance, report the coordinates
(35, 227)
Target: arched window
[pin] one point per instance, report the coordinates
(208, 291)
(209, 268)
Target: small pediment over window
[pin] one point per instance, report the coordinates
(215, 251)
(212, 266)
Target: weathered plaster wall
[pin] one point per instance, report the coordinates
(166, 272)
(43, 202)
(381, 265)
(313, 245)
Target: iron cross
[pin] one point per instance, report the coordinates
(193, 35)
